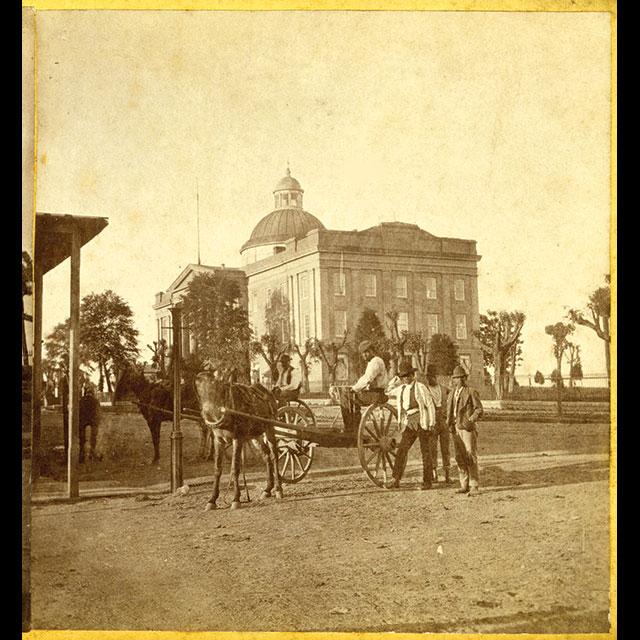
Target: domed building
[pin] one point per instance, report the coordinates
(287, 220)
(326, 278)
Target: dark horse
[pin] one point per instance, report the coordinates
(155, 401)
(215, 396)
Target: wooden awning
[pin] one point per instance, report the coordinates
(53, 236)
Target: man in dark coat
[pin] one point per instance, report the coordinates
(464, 409)
(439, 394)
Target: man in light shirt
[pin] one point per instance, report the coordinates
(464, 409)
(375, 375)
(287, 385)
(417, 418)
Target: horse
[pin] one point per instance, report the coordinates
(217, 395)
(155, 402)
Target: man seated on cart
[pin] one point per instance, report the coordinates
(367, 390)
(287, 385)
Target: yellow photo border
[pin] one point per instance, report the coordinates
(577, 6)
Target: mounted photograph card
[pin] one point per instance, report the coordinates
(266, 248)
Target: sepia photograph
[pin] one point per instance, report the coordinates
(318, 319)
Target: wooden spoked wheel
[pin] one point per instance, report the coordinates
(378, 439)
(305, 409)
(294, 454)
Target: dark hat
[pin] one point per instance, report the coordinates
(459, 372)
(365, 345)
(432, 370)
(285, 357)
(405, 369)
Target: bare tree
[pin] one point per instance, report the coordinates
(559, 332)
(499, 335)
(599, 310)
(307, 355)
(573, 359)
(330, 352)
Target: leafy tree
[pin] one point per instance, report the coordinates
(218, 324)
(498, 335)
(370, 328)
(538, 378)
(559, 332)
(443, 353)
(108, 334)
(56, 346)
(276, 340)
(307, 355)
(27, 290)
(329, 352)
(599, 310)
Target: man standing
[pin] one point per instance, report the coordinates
(441, 433)
(464, 409)
(417, 418)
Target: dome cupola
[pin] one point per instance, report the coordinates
(288, 193)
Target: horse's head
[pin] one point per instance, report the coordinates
(130, 380)
(212, 394)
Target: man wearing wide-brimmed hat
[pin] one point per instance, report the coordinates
(417, 418)
(464, 409)
(439, 395)
(287, 385)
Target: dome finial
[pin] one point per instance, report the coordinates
(288, 169)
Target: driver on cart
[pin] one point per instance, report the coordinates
(287, 385)
(375, 375)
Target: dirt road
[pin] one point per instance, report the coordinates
(530, 554)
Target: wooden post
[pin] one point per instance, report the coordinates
(176, 434)
(36, 372)
(73, 485)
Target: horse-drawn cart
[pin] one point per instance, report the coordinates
(369, 422)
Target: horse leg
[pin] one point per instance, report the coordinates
(266, 455)
(218, 450)
(235, 472)
(273, 450)
(203, 438)
(154, 427)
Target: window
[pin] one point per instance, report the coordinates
(304, 286)
(465, 361)
(432, 293)
(294, 200)
(403, 322)
(283, 291)
(370, 289)
(458, 289)
(401, 286)
(342, 370)
(432, 324)
(268, 304)
(339, 283)
(340, 323)
(461, 327)
(307, 327)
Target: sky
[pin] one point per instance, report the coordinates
(486, 126)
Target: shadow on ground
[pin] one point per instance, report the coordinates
(555, 620)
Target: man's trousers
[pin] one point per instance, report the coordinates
(443, 437)
(409, 436)
(466, 447)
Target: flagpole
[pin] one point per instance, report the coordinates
(198, 218)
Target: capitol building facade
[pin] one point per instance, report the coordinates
(329, 277)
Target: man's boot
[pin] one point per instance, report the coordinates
(447, 477)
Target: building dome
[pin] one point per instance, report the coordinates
(281, 225)
(288, 183)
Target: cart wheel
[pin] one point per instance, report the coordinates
(294, 455)
(378, 438)
(306, 411)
